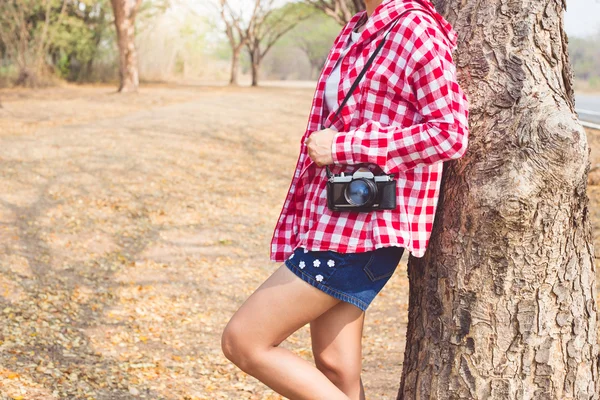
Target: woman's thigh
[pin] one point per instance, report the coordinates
(281, 305)
(337, 340)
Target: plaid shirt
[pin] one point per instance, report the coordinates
(407, 115)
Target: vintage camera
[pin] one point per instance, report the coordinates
(361, 191)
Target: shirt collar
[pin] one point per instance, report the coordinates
(386, 13)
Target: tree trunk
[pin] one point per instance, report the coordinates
(502, 304)
(255, 60)
(124, 12)
(233, 79)
(255, 68)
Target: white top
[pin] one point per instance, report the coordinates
(333, 81)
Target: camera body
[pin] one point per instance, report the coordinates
(361, 191)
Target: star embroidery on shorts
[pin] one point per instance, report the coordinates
(305, 251)
(316, 263)
(292, 256)
(302, 264)
(319, 278)
(331, 263)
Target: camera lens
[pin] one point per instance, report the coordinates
(360, 192)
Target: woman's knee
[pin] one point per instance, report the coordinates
(342, 372)
(236, 346)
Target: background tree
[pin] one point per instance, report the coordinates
(502, 305)
(340, 10)
(125, 12)
(585, 57)
(269, 24)
(25, 33)
(77, 39)
(236, 36)
(315, 37)
(259, 30)
(307, 44)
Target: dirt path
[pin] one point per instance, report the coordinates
(133, 226)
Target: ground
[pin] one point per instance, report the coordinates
(132, 226)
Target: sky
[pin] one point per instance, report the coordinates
(582, 17)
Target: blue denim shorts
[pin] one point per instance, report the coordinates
(352, 277)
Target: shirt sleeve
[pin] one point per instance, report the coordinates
(441, 134)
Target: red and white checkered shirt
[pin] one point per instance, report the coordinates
(406, 117)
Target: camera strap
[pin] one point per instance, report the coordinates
(364, 70)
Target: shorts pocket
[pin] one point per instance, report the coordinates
(383, 263)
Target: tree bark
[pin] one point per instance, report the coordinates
(502, 304)
(255, 68)
(235, 57)
(125, 12)
(255, 59)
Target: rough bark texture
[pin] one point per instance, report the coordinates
(502, 304)
(125, 12)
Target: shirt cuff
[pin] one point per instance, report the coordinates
(341, 148)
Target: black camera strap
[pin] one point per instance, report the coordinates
(364, 70)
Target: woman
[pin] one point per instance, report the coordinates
(407, 115)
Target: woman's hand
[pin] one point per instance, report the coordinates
(319, 146)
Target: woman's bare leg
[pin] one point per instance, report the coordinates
(337, 347)
(280, 306)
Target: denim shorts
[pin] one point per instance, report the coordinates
(355, 278)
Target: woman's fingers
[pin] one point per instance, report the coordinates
(314, 155)
(319, 146)
(316, 158)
